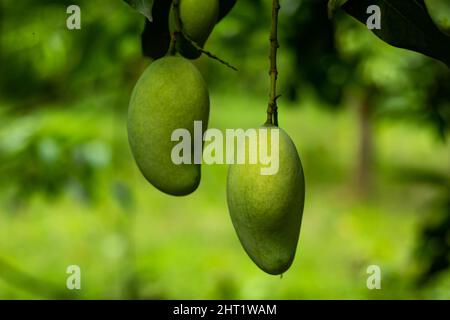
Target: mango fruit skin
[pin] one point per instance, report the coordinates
(198, 19)
(439, 11)
(267, 210)
(170, 94)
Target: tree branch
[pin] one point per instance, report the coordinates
(178, 28)
(179, 31)
(272, 110)
(209, 54)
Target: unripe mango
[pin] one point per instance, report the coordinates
(198, 18)
(440, 12)
(171, 94)
(266, 210)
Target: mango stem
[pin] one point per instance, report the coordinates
(272, 110)
(174, 36)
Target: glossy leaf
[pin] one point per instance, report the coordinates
(404, 24)
(143, 6)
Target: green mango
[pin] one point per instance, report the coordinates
(267, 210)
(170, 94)
(439, 11)
(198, 19)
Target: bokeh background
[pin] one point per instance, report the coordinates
(370, 122)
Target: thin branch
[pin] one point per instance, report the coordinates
(178, 27)
(209, 54)
(179, 31)
(272, 110)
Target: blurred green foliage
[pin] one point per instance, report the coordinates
(70, 192)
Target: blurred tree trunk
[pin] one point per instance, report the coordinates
(364, 174)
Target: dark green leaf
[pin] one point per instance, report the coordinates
(156, 35)
(225, 7)
(405, 24)
(143, 6)
(155, 38)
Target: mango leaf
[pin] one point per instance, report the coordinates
(155, 38)
(143, 6)
(405, 24)
(225, 7)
